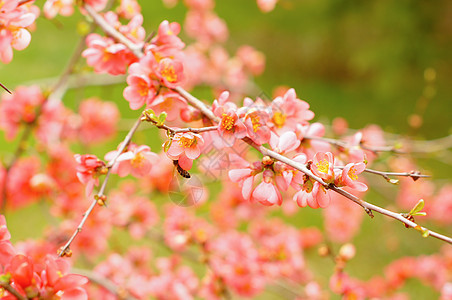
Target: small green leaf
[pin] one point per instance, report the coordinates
(162, 118)
(5, 277)
(419, 214)
(417, 208)
(166, 145)
(425, 233)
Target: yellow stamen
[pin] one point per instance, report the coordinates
(279, 119)
(352, 173)
(186, 142)
(323, 166)
(255, 120)
(169, 73)
(137, 161)
(227, 122)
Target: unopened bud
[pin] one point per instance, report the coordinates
(323, 250)
(347, 251)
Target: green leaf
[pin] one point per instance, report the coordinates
(5, 277)
(417, 208)
(166, 145)
(419, 214)
(162, 118)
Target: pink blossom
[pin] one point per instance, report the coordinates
(206, 27)
(185, 147)
(266, 192)
(98, 120)
(349, 176)
(243, 173)
(266, 5)
(19, 190)
(253, 60)
(141, 89)
(170, 72)
(256, 125)
(311, 146)
(89, 168)
(312, 194)
(285, 143)
(137, 160)
(289, 111)
(338, 228)
(323, 166)
(53, 7)
(106, 56)
(98, 5)
(171, 103)
(14, 19)
(128, 8)
(19, 107)
(231, 127)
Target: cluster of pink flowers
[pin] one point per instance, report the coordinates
(15, 18)
(32, 279)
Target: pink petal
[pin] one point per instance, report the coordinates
(75, 294)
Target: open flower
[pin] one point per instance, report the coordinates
(137, 160)
(312, 194)
(266, 192)
(185, 148)
(323, 166)
(349, 176)
(89, 168)
(231, 128)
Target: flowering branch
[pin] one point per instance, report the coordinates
(11, 290)
(368, 207)
(105, 283)
(342, 144)
(65, 251)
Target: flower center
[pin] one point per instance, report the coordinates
(228, 122)
(255, 120)
(137, 161)
(143, 89)
(352, 173)
(168, 72)
(186, 142)
(279, 119)
(322, 166)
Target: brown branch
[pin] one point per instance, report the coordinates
(11, 290)
(65, 249)
(368, 207)
(105, 283)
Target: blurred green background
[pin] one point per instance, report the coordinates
(365, 61)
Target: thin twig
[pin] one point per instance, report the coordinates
(178, 130)
(105, 283)
(342, 144)
(65, 249)
(209, 114)
(415, 175)
(11, 290)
